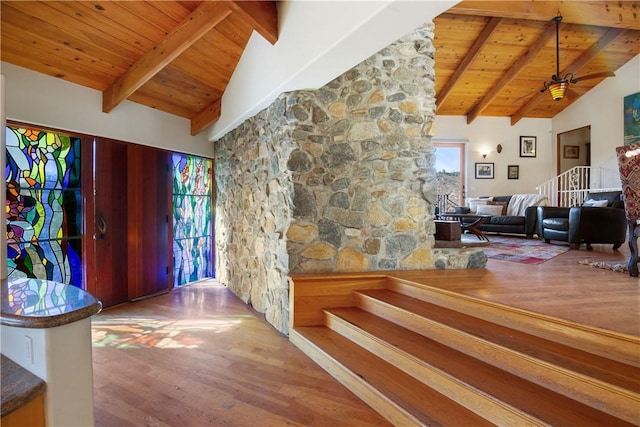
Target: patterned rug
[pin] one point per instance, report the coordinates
(607, 265)
(522, 250)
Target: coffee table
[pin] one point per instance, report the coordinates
(474, 221)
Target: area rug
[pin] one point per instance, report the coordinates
(607, 265)
(522, 250)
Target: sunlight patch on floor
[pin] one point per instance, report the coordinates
(149, 332)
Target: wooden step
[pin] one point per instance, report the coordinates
(607, 385)
(499, 396)
(611, 345)
(401, 399)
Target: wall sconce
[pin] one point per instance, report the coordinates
(485, 152)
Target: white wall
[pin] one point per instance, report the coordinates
(484, 134)
(38, 99)
(602, 108)
(318, 41)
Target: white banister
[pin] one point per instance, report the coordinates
(571, 187)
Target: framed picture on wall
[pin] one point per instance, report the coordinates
(513, 172)
(571, 152)
(527, 146)
(484, 170)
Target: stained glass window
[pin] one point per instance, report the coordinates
(43, 206)
(192, 236)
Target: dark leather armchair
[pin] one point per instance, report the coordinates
(585, 224)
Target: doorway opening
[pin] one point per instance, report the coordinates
(450, 161)
(574, 151)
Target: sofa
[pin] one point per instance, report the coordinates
(515, 214)
(600, 219)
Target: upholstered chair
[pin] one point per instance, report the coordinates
(629, 165)
(601, 219)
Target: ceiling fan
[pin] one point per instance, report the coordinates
(559, 85)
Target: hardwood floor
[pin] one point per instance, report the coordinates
(559, 287)
(198, 356)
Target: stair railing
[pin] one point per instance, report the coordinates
(445, 203)
(571, 187)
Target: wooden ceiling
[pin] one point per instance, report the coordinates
(176, 56)
(492, 57)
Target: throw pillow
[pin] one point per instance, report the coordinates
(494, 210)
(503, 204)
(595, 203)
(474, 203)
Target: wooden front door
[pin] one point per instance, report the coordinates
(148, 233)
(107, 269)
(129, 222)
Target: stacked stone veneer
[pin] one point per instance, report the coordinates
(340, 179)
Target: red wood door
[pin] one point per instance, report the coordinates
(149, 228)
(107, 276)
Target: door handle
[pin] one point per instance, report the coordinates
(101, 226)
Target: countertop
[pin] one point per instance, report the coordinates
(35, 303)
(19, 386)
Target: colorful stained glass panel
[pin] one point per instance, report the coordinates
(43, 206)
(192, 234)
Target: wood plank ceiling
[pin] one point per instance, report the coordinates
(492, 57)
(176, 56)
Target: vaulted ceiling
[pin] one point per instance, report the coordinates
(176, 56)
(492, 57)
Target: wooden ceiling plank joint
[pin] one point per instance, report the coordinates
(207, 116)
(609, 37)
(189, 31)
(466, 62)
(515, 69)
(604, 13)
(262, 15)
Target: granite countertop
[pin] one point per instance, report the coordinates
(19, 386)
(35, 303)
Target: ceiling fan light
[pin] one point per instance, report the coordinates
(557, 90)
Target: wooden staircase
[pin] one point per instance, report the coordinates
(421, 355)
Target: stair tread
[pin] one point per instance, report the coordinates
(531, 398)
(426, 404)
(575, 360)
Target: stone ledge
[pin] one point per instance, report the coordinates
(459, 258)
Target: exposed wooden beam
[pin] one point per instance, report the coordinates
(617, 14)
(515, 69)
(210, 114)
(466, 62)
(196, 25)
(609, 37)
(262, 15)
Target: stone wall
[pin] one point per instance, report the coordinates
(363, 170)
(339, 179)
(253, 209)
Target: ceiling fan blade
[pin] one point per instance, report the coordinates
(529, 94)
(593, 76)
(571, 94)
